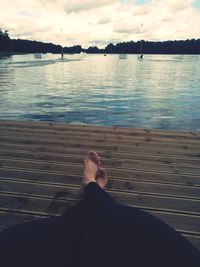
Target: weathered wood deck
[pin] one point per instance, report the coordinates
(41, 167)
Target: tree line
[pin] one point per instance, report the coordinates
(191, 46)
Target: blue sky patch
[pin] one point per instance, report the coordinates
(139, 2)
(196, 4)
(143, 2)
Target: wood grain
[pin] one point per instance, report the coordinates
(41, 166)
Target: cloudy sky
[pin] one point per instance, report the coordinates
(99, 22)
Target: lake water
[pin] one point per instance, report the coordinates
(160, 92)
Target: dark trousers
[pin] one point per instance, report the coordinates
(95, 233)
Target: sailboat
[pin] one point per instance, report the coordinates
(141, 52)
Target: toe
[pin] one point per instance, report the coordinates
(101, 173)
(92, 155)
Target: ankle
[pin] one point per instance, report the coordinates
(84, 185)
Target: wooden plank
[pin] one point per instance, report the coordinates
(71, 170)
(38, 176)
(164, 165)
(105, 151)
(178, 191)
(57, 151)
(121, 143)
(36, 205)
(142, 200)
(78, 169)
(31, 203)
(105, 129)
(154, 188)
(105, 161)
(41, 168)
(98, 145)
(158, 203)
(112, 137)
(40, 190)
(72, 178)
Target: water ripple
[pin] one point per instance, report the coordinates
(160, 92)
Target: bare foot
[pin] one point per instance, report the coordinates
(92, 163)
(93, 172)
(91, 166)
(101, 177)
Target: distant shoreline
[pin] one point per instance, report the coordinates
(176, 47)
(7, 54)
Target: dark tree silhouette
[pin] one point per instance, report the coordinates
(5, 42)
(26, 46)
(72, 49)
(166, 47)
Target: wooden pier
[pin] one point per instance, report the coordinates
(41, 165)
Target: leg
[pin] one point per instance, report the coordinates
(118, 235)
(48, 242)
(126, 236)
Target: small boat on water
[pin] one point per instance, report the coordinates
(141, 52)
(140, 57)
(83, 54)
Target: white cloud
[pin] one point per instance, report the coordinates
(104, 20)
(83, 5)
(142, 10)
(98, 22)
(126, 27)
(179, 5)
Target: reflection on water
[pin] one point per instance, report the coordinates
(39, 63)
(162, 91)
